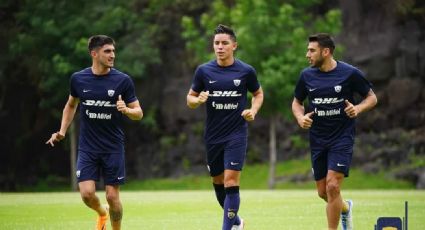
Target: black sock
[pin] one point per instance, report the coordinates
(220, 193)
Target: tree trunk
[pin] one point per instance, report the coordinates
(272, 151)
(73, 155)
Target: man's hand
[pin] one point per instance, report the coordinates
(248, 114)
(350, 110)
(121, 106)
(306, 121)
(56, 137)
(203, 97)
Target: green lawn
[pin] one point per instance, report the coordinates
(253, 177)
(256, 177)
(156, 210)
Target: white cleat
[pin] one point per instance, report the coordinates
(240, 226)
(347, 218)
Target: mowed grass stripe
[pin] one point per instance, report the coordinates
(190, 210)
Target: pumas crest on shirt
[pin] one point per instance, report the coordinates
(237, 82)
(111, 92)
(338, 88)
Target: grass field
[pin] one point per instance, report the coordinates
(190, 210)
(256, 177)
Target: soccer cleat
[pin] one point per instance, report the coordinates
(240, 226)
(347, 218)
(102, 220)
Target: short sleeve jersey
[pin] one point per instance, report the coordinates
(100, 121)
(227, 87)
(327, 92)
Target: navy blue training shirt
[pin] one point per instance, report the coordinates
(101, 122)
(327, 92)
(227, 87)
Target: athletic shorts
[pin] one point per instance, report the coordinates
(226, 155)
(336, 157)
(91, 165)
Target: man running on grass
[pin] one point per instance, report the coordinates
(329, 86)
(107, 96)
(222, 84)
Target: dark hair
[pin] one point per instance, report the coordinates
(222, 29)
(324, 40)
(98, 41)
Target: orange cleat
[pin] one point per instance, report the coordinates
(102, 220)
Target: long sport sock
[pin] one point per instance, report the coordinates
(231, 207)
(219, 193)
(221, 196)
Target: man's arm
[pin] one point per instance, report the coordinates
(194, 99)
(67, 117)
(368, 103)
(303, 120)
(256, 102)
(132, 110)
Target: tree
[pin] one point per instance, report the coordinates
(272, 37)
(49, 43)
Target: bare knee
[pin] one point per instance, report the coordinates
(87, 191)
(230, 182)
(332, 189)
(333, 184)
(321, 189)
(112, 198)
(231, 178)
(323, 195)
(218, 179)
(87, 195)
(115, 207)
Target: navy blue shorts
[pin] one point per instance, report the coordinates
(91, 165)
(226, 155)
(336, 157)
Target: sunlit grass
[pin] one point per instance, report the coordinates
(256, 177)
(198, 210)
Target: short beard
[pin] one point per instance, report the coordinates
(318, 63)
(106, 65)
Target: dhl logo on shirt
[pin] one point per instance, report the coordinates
(225, 94)
(98, 103)
(327, 100)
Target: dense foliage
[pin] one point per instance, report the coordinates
(272, 37)
(160, 42)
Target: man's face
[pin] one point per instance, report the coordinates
(105, 55)
(314, 54)
(224, 46)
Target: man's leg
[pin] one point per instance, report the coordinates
(218, 183)
(87, 192)
(88, 195)
(115, 206)
(232, 201)
(321, 189)
(333, 194)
